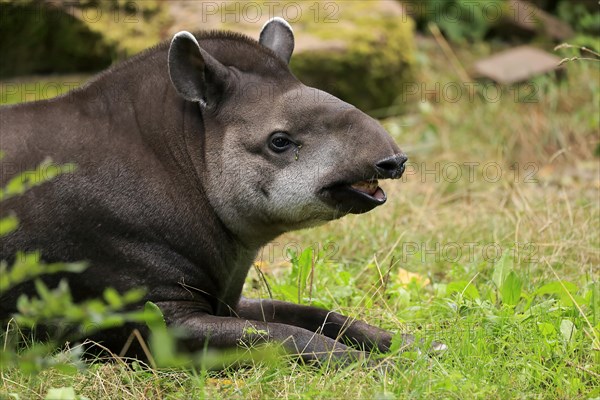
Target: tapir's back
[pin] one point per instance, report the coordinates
(27, 132)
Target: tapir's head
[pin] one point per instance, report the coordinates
(278, 155)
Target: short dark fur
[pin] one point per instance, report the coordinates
(256, 57)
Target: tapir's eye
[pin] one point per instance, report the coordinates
(280, 142)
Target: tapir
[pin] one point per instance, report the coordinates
(190, 157)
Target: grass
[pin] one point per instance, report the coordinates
(505, 268)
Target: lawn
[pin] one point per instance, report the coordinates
(490, 243)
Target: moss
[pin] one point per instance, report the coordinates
(373, 66)
(128, 26)
(39, 38)
(360, 51)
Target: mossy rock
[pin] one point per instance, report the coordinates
(360, 51)
(35, 39)
(38, 37)
(128, 26)
(369, 62)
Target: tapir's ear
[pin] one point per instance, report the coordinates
(278, 35)
(195, 74)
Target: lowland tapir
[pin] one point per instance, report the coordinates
(189, 158)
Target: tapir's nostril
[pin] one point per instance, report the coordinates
(392, 167)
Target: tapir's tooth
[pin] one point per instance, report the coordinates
(369, 187)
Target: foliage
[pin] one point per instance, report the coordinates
(44, 37)
(504, 320)
(301, 286)
(475, 20)
(585, 19)
(52, 309)
(39, 39)
(372, 68)
(54, 313)
(459, 19)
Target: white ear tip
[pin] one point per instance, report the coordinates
(279, 20)
(184, 34)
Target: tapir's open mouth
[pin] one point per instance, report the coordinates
(356, 198)
(371, 189)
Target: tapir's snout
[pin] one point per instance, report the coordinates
(354, 188)
(392, 167)
(360, 193)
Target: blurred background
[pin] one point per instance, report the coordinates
(366, 52)
(459, 84)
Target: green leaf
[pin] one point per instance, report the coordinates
(67, 369)
(154, 317)
(74, 267)
(567, 330)
(63, 393)
(511, 289)
(546, 329)
(301, 267)
(501, 270)
(44, 172)
(112, 298)
(133, 295)
(42, 290)
(29, 265)
(250, 330)
(558, 288)
(164, 350)
(8, 225)
(465, 288)
(288, 292)
(111, 321)
(398, 342)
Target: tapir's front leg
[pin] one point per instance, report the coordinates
(333, 325)
(204, 329)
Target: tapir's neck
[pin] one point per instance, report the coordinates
(176, 132)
